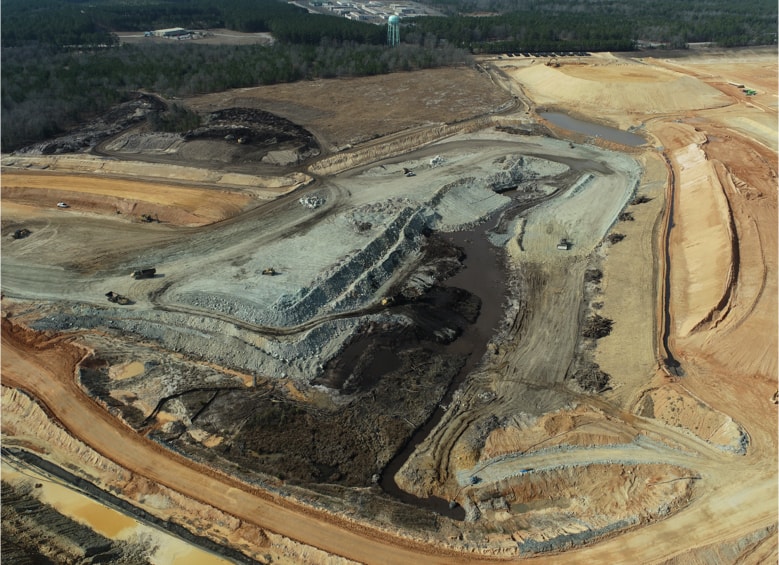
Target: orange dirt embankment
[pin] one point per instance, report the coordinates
(580, 426)
(703, 234)
(170, 203)
(723, 247)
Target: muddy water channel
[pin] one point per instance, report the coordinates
(483, 275)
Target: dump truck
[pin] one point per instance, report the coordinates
(117, 298)
(145, 273)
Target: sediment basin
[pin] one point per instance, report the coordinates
(483, 275)
(588, 128)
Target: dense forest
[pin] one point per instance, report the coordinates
(501, 24)
(62, 62)
(599, 25)
(82, 23)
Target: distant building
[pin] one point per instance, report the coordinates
(171, 32)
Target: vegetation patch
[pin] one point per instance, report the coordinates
(591, 378)
(176, 119)
(597, 327)
(641, 199)
(593, 275)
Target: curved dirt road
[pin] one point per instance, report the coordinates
(48, 374)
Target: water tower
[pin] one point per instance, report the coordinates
(393, 31)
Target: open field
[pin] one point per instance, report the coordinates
(377, 352)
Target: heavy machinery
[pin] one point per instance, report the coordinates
(117, 298)
(20, 233)
(269, 271)
(145, 273)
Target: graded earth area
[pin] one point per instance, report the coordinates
(425, 326)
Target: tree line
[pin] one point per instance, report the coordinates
(591, 25)
(597, 25)
(81, 23)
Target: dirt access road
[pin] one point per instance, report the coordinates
(698, 423)
(46, 370)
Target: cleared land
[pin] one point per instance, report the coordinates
(418, 294)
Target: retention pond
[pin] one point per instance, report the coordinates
(483, 275)
(588, 128)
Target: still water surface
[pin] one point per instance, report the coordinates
(588, 128)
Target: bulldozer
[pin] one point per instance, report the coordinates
(269, 271)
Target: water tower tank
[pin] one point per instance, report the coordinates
(393, 30)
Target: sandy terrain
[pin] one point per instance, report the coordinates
(673, 459)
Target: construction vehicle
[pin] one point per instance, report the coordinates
(149, 219)
(62, 205)
(269, 271)
(564, 245)
(553, 63)
(502, 187)
(20, 233)
(387, 301)
(145, 273)
(117, 298)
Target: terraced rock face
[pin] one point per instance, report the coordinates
(346, 419)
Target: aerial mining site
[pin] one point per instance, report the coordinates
(519, 310)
